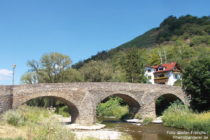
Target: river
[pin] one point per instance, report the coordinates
(154, 131)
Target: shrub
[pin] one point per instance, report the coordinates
(64, 111)
(13, 118)
(33, 114)
(113, 107)
(180, 116)
(120, 111)
(49, 130)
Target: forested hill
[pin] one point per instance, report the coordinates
(188, 30)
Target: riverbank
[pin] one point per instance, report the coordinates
(37, 123)
(41, 124)
(180, 116)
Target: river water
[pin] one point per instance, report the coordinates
(155, 131)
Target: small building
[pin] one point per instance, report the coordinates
(163, 74)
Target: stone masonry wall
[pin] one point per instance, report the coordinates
(84, 97)
(5, 98)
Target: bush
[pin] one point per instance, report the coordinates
(120, 111)
(113, 107)
(33, 114)
(13, 118)
(50, 130)
(180, 116)
(64, 111)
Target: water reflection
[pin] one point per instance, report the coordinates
(145, 132)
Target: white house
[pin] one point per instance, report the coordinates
(163, 74)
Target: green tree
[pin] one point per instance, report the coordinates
(196, 83)
(97, 71)
(134, 66)
(51, 68)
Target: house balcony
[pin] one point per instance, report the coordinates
(161, 80)
(158, 78)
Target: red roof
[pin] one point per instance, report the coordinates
(168, 67)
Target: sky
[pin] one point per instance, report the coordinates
(78, 28)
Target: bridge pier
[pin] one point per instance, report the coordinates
(147, 110)
(6, 99)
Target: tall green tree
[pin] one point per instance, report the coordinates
(51, 68)
(196, 83)
(134, 66)
(97, 71)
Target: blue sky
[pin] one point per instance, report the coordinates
(78, 28)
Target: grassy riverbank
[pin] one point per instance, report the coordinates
(180, 116)
(34, 123)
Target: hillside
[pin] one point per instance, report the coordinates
(191, 30)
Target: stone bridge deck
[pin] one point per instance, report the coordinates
(84, 97)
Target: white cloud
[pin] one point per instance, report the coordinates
(5, 74)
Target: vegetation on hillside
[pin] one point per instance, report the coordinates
(188, 30)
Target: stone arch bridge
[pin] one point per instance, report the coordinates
(84, 97)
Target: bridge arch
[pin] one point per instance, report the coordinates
(73, 109)
(163, 101)
(132, 101)
(171, 94)
(65, 97)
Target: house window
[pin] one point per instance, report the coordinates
(160, 68)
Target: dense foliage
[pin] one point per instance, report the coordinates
(192, 31)
(113, 107)
(52, 68)
(186, 26)
(180, 116)
(134, 66)
(164, 101)
(196, 82)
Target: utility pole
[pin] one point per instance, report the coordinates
(13, 74)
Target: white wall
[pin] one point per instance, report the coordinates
(151, 74)
(172, 79)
